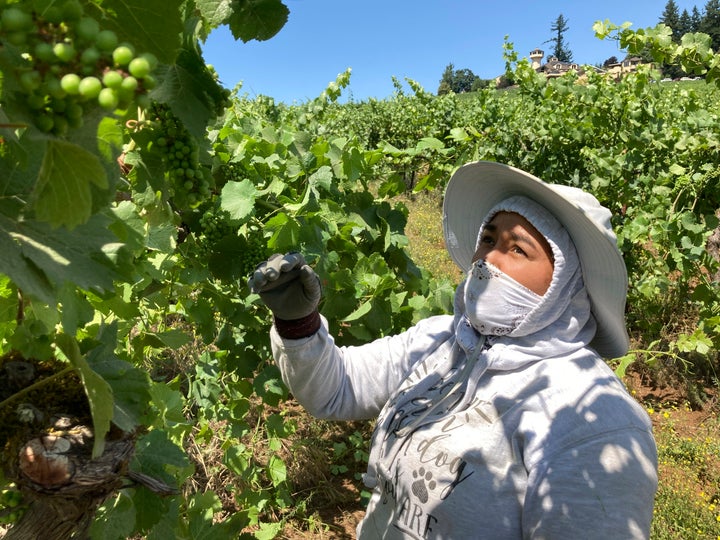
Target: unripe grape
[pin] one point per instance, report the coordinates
(30, 80)
(35, 101)
(106, 40)
(139, 67)
(90, 87)
(113, 79)
(149, 82)
(58, 105)
(17, 38)
(74, 111)
(129, 84)
(90, 56)
(151, 59)
(108, 99)
(44, 52)
(122, 55)
(45, 123)
(71, 83)
(88, 28)
(14, 19)
(64, 51)
(61, 125)
(75, 122)
(53, 15)
(72, 10)
(54, 88)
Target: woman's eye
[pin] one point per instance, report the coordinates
(487, 240)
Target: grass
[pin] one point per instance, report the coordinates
(687, 504)
(425, 235)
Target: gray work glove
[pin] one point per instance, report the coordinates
(287, 285)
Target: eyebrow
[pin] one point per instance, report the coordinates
(526, 239)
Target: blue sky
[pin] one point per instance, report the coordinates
(417, 39)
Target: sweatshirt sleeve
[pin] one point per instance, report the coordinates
(602, 488)
(353, 383)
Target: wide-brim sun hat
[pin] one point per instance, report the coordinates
(475, 188)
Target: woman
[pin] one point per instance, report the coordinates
(502, 420)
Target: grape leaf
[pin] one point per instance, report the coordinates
(116, 520)
(153, 26)
(62, 195)
(76, 310)
(238, 198)
(24, 273)
(97, 389)
(215, 12)
(130, 386)
(154, 452)
(190, 91)
(257, 19)
(80, 256)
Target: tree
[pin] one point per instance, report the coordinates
(561, 50)
(671, 17)
(446, 80)
(695, 19)
(610, 61)
(685, 24)
(710, 23)
(457, 80)
(463, 81)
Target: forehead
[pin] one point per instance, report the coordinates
(518, 227)
(508, 220)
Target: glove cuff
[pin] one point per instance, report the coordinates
(298, 328)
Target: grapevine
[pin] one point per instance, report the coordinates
(64, 63)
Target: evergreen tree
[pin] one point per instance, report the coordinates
(561, 50)
(446, 80)
(710, 23)
(696, 19)
(684, 24)
(671, 17)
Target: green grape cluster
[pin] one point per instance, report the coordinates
(228, 172)
(10, 509)
(253, 251)
(69, 63)
(190, 181)
(214, 226)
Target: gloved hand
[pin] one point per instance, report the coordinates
(287, 285)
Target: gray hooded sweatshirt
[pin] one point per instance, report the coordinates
(529, 435)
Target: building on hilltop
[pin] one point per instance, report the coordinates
(628, 65)
(553, 67)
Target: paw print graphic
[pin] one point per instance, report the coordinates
(422, 483)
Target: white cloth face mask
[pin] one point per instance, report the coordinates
(495, 304)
